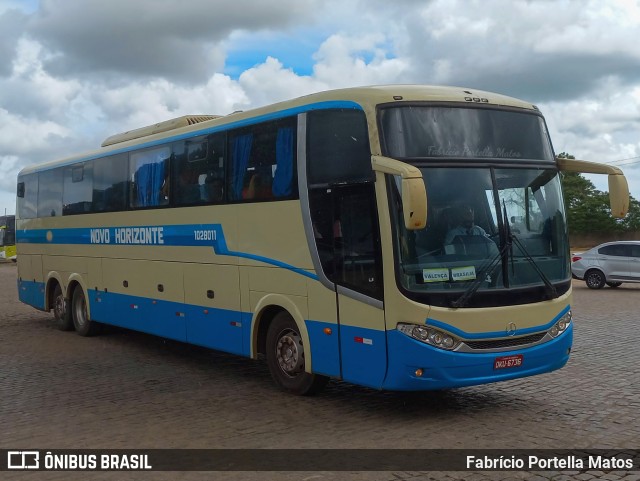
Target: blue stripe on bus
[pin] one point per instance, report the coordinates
(325, 349)
(489, 335)
(32, 293)
(222, 329)
(330, 104)
(364, 355)
(191, 235)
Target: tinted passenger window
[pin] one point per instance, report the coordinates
(262, 160)
(338, 147)
(110, 184)
(28, 196)
(618, 250)
(50, 193)
(77, 196)
(198, 170)
(149, 174)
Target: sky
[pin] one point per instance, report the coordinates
(75, 72)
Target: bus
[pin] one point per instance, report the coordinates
(8, 237)
(316, 234)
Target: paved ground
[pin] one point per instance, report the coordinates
(130, 390)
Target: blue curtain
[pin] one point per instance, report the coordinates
(142, 179)
(149, 179)
(240, 159)
(284, 159)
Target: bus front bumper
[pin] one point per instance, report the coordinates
(443, 369)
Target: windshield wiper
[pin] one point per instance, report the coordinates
(550, 289)
(484, 271)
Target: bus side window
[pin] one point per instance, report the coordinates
(28, 201)
(198, 170)
(50, 193)
(110, 183)
(78, 189)
(148, 174)
(262, 161)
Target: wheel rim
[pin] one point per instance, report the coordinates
(290, 353)
(593, 279)
(59, 307)
(80, 311)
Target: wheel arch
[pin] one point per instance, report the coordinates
(53, 279)
(265, 311)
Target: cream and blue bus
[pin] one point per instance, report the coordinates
(8, 237)
(396, 237)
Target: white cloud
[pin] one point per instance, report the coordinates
(271, 82)
(344, 60)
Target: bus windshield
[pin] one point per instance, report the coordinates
(490, 231)
(460, 132)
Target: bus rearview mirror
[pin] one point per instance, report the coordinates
(618, 187)
(618, 195)
(414, 193)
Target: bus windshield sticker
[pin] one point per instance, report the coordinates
(463, 273)
(435, 275)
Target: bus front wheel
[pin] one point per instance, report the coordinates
(286, 358)
(61, 314)
(84, 326)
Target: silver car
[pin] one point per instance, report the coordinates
(611, 263)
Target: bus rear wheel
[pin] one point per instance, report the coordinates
(84, 326)
(286, 358)
(61, 314)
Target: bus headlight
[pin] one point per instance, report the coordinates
(429, 335)
(560, 326)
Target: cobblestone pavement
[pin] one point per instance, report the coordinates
(129, 390)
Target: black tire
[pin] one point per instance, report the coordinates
(594, 279)
(61, 311)
(614, 284)
(285, 358)
(84, 326)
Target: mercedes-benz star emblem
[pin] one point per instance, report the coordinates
(511, 329)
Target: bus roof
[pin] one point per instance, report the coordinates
(365, 98)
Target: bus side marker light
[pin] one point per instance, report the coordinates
(419, 372)
(206, 311)
(180, 314)
(134, 306)
(363, 340)
(327, 331)
(236, 324)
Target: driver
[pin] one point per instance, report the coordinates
(464, 225)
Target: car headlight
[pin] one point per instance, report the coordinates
(429, 335)
(560, 326)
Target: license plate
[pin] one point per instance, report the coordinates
(505, 362)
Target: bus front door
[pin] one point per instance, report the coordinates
(347, 236)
